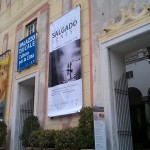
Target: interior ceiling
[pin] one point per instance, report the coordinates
(136, 43)
(29, 82)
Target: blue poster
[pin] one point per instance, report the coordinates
(27, 51)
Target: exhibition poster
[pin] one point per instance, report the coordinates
(65, 81)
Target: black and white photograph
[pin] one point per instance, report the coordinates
(65, 64)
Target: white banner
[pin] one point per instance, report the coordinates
(65, 83)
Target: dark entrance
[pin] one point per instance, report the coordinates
(139, 122)
(138, 73)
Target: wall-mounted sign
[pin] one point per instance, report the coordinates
(27, 51)
(99, 128)
(65, 82)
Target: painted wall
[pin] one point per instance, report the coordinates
(102, 13)
(14, 16)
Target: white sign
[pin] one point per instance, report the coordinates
(99, 128)
(65, 83)
(100, 138)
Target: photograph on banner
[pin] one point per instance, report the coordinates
(4, 64)
(65, 81)
(66, 64)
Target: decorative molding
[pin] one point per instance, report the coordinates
(127, 18)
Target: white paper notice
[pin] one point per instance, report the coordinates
(100, 138)
(99, 128)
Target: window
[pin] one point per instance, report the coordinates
(129, 74)
(31, 27)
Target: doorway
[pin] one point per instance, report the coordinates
(138, 73)
(113, 51)
(131, 59)
(25, 104)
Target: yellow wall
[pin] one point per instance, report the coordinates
(19, 10)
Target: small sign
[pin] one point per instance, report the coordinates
(99, 128)
(27, 51)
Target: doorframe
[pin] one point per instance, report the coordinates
(15, 106)
(105, 79)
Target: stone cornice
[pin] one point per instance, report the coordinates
(127, 19)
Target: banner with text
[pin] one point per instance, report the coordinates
(27, 51)
(65, 83)
(4, 67)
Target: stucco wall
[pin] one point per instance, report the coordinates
(102, 13)
(14, 16)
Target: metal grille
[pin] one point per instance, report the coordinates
(26, 110)
(123, 114)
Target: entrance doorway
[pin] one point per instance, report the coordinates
(117, 41)
(132, 104)
(26, 105)
(138, 73)
(23, 108)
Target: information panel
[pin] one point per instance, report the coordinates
(65, 82)
(99, 128)
(27, 51)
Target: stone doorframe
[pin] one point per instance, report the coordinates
(130, 26)
(15, 106)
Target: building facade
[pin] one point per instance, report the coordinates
(110, 31)
(123, 30)
(28, 88)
